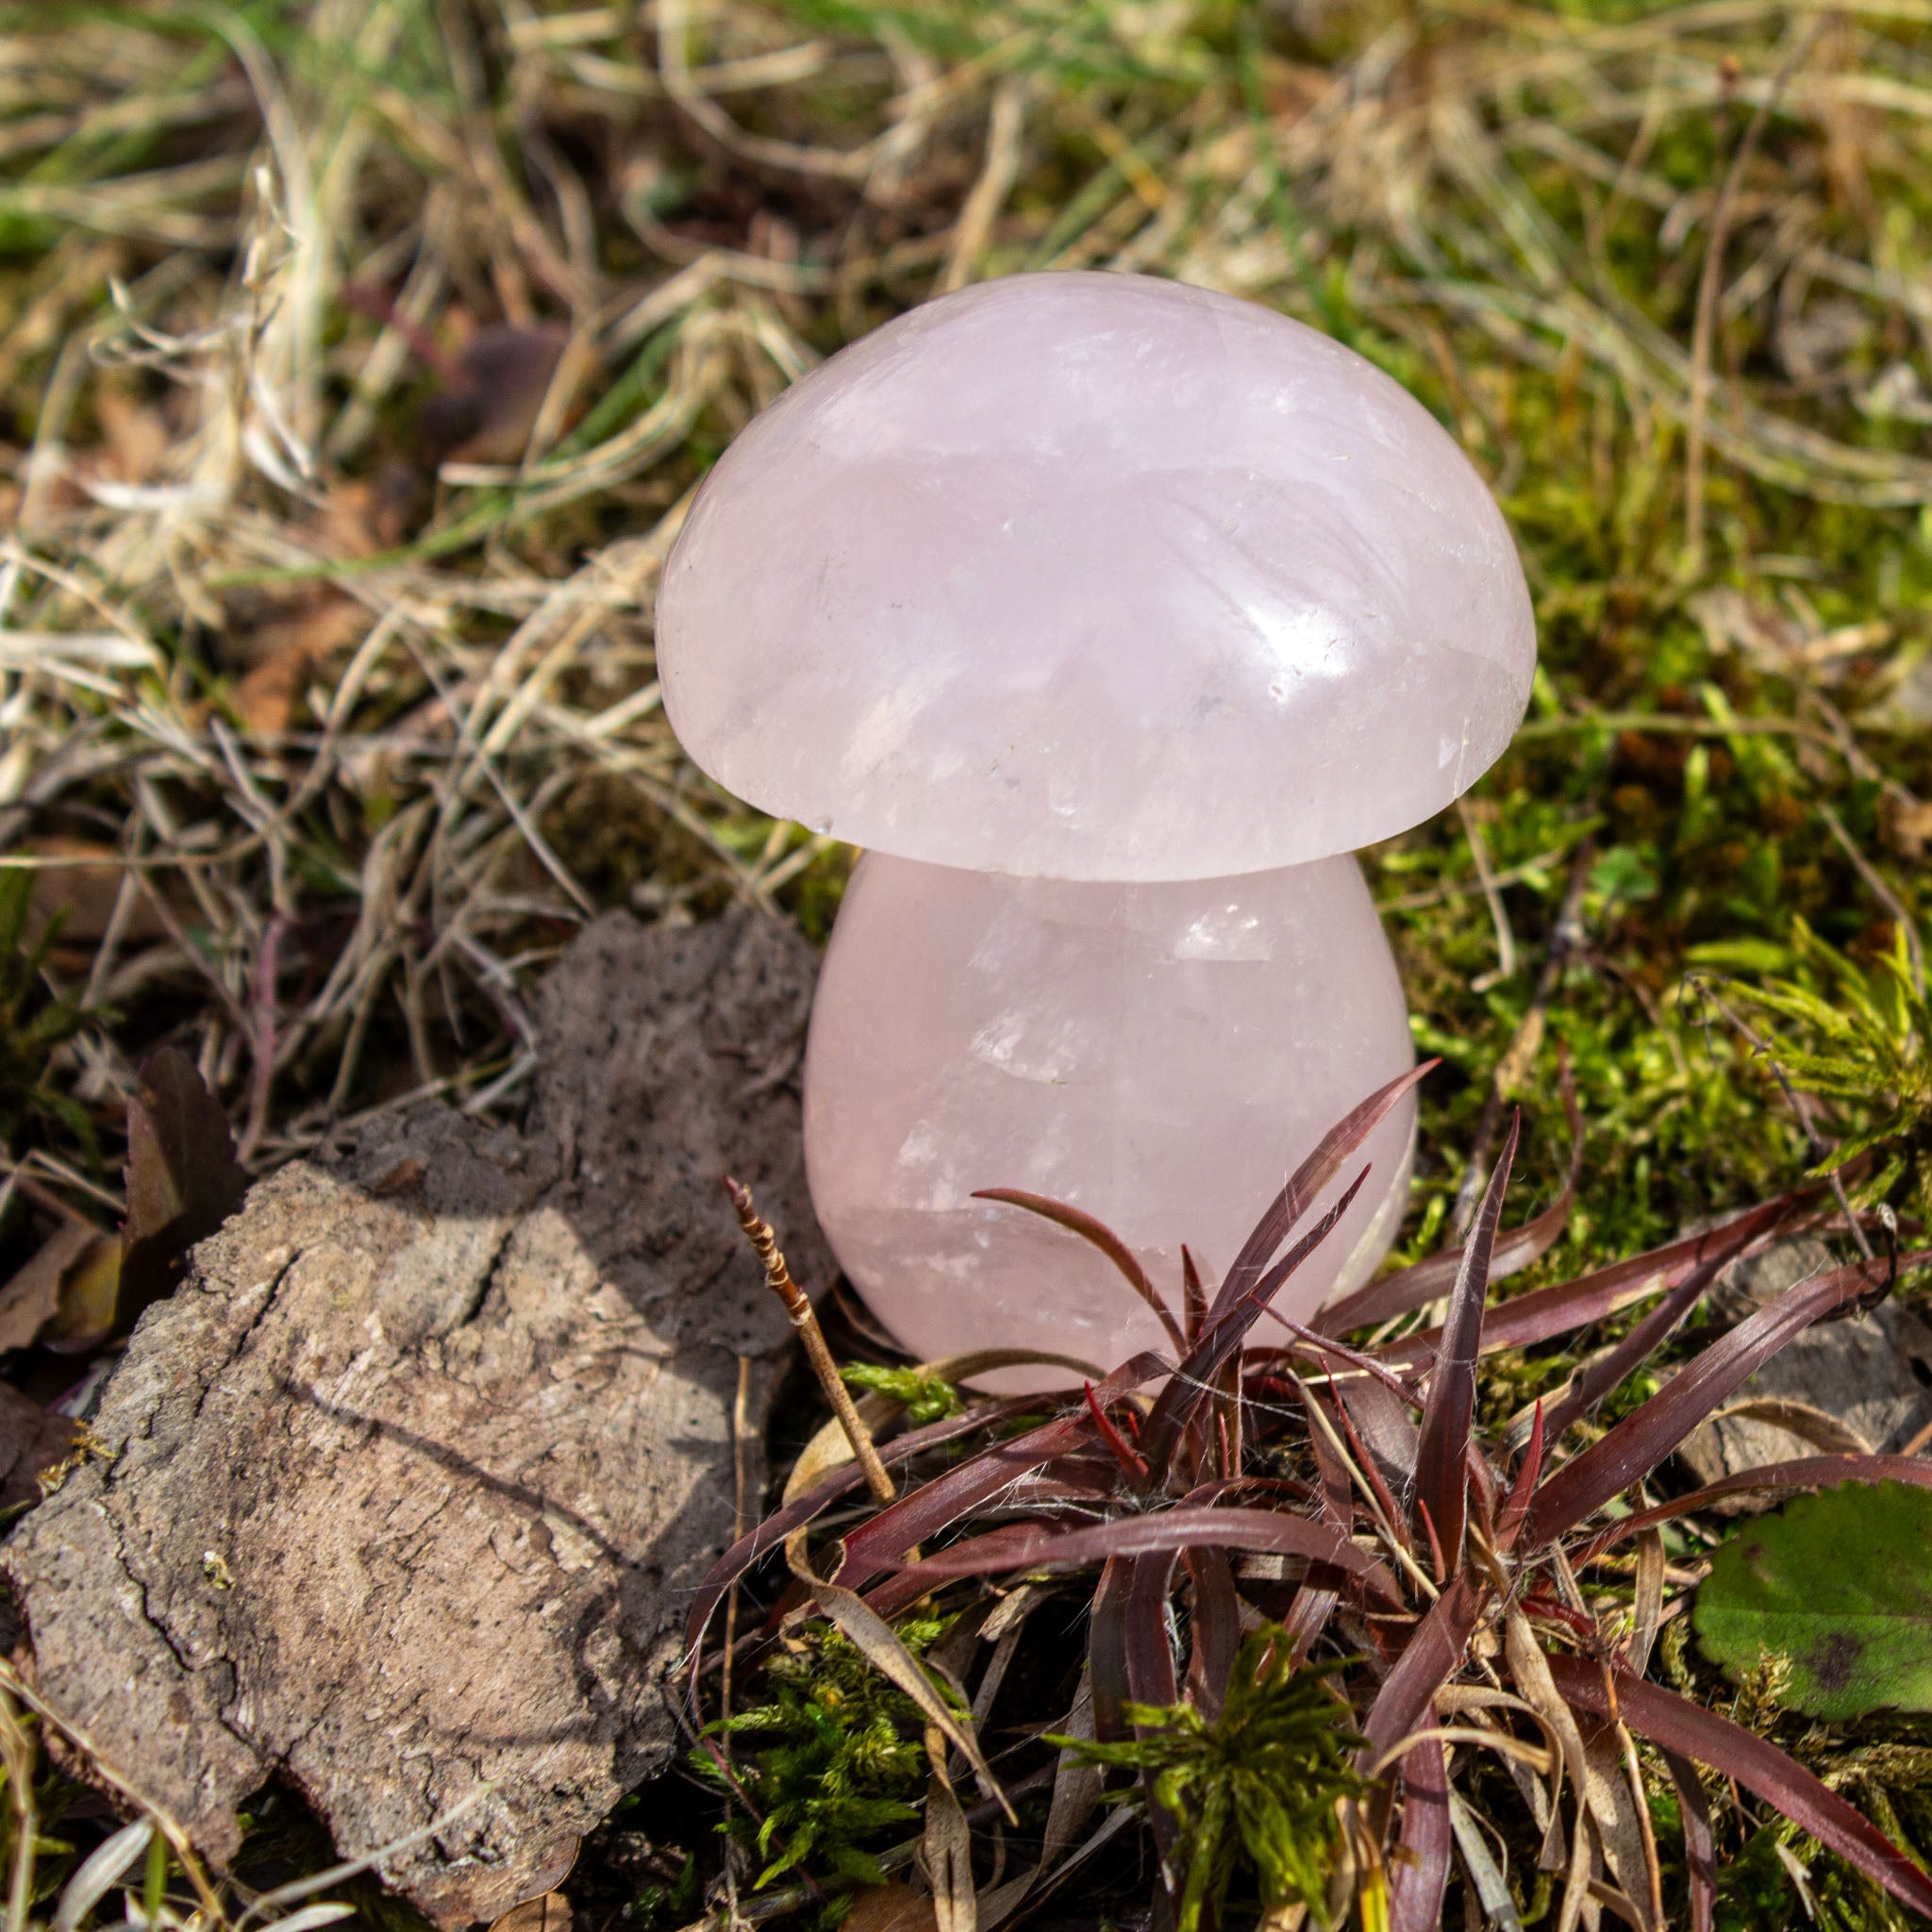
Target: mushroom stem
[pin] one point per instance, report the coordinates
(803, 1318)
(1159, 1057)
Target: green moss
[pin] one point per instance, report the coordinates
(836, 1759)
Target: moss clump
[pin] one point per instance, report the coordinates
(839, 1758)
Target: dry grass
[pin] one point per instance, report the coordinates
(361, 358)
(341, 671)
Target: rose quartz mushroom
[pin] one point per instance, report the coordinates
(1097, 607)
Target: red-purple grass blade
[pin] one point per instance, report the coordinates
(1641, 1441)
(1166, 1532)
(1215, 1630)
(1200, 1374)
(1597, 1380)
(771, 1533)
(1315, 1602)
(1223, 1486)
(1077, 1220)
(1151, 1678)
(1309, 1614)
(1337, 1496)
(1700, 1841)
(1416, 1286)
(881, 1540)
(1194, 1296)
(1674, 1724)
(1548, 1312)
(1510, 1524)
(1375, 1470)
(1150, 1656)
(1308, 1180)
(1433, 1654)
(903, 1587)
(1442, 1476)
(1106, 1649)
(1118, 1448)
(1515, 1249)
(1801, 1472)
(1418, 1872)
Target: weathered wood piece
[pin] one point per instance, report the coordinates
(411, 1478)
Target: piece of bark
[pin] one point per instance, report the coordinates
(1863, 1383)
(411, 1479)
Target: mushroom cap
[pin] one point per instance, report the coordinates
(1092, 576)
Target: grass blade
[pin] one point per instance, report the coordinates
(1416, 1287)
(1194, 1296)
(1434, 1652)
(925, 1511)
(1515, 1249)
(1443, 1456)
(1548, 1312)
(770, 1534)
(1077, 1220)
(1516, 1508)
(1107, 1650)
(1674, 1724)
(1150, 1655)
(97, 1875)
(884, 1651)
(1649, 1433)
(1200, 1374)
(1802, 1472)
(1700, 1841)
(1308, 1180)
(1216, 1628)
(1418, 1872)
(1597, 1380)
(1167, 1532)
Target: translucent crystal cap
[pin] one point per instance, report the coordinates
(1096, 576)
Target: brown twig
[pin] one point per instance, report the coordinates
(803, 1318)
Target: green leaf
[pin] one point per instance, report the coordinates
(1741, 955)
(1622, 873)
(1840, 1586)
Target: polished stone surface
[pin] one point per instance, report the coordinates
(1096, 576)
(1162, 1055)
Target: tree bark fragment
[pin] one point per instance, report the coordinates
(407, 1484)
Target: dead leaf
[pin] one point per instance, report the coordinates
(31, 1438)
(404, 1177)
(81, 891)
(506, 373)
(890, 1909)
(183, 1178)
(59, 1295)
(288, 655)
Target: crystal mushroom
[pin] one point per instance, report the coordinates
(1110, 615)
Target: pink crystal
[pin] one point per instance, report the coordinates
(1096, 576)
(1162, 1055)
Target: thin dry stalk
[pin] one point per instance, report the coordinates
(803, 1318)
(1709, 285)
